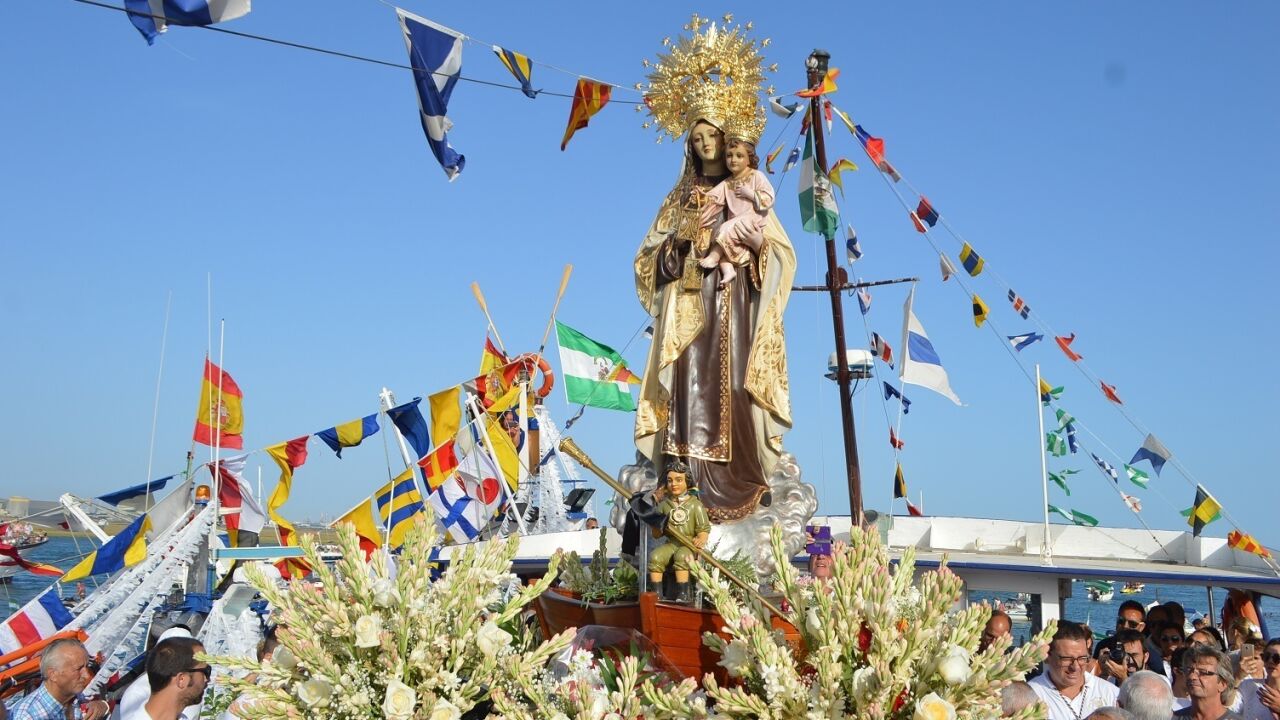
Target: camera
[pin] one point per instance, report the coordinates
(1116, 653)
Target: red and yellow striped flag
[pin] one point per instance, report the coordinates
(1245, 542)
(588, 98)
(220, 416)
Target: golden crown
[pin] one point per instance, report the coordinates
(714, 75)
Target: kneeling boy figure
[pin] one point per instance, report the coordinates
(686, 515)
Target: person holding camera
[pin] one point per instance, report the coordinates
(1131, 616)
(1127, 656)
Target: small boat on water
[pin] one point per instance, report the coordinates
(1099, 590)
(1132, 587)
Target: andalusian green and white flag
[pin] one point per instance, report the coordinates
(1075, 516)
(1061, 479)
(1136, 476)
(817, 204)
(1064, 418)
(594, 374)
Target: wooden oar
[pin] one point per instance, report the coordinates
(484, 306)
(572, 450)
(564, 283)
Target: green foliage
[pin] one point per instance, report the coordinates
(595, 582)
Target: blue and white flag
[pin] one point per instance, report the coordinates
(435, 52)
(1072, 444)
(891, 391)
(864, 300)
(153, 17)
(457, 512)
(851, 245)
(920, 362)
(119, 496)
(1020, 342)
(1153, 451)
(1106, 468)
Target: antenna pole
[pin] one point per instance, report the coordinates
(816, 67)
(1046, 547)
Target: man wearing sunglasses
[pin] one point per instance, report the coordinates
(1131, 616)
(177, 679)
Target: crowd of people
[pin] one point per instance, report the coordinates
(1150, 669)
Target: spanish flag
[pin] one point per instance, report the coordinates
(220, 416)
(1203, 511)
(126, 549)
(588, 98)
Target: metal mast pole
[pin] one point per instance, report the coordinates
(816, 66)
(1046, 547)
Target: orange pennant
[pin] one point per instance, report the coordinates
(1110, 392)
(1065, 344)
(588, 98)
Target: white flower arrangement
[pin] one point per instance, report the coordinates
(374, 645)
(878, 643)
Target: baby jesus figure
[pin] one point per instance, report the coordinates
(748, 196)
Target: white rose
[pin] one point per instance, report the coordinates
(863, 680)
(315, 693)
(954, 666)
(933, 707)
(283, 659)
(384, 593)
(491, 639)
(400, 699)
(442, 710)
(734, 658)
(368, 631)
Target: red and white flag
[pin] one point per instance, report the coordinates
(238, 506)
(41, 618)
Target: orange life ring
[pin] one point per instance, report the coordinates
(530, 360)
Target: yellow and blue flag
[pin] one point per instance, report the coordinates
(127, 548)
(971, 260)
(520, 67)
(1203, 511)
(349, 434)
(398, 503)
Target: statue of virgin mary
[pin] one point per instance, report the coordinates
(715, 391)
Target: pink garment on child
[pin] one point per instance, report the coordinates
(746, 218)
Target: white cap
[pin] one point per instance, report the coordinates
(174, 632)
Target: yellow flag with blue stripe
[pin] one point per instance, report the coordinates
(126, 549)
(399, 503)
(520, 67)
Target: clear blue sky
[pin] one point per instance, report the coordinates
(1114, 162)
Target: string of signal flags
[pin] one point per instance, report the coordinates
(927, 220)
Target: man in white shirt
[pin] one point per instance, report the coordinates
(177, 679)
(137, 694)
(1066, 688)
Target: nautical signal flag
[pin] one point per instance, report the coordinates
(360, 518)
(913, 511)
(864, 300)
(920, 362)
(899, 483)
(1054, 443)
(1048, 392)
(1152, 451)
(948, 269)
(126, 549)
(349, 434)
(1019, 305)
(840, 166)
(894, 441)
(16, 560)
(875, 150)
(971, 260)
(851, 246)
(439, 464)
(881, 349)
(1021, 342)
(412, 426)
(1065, 344)
(1072, 445)
(916, 222)
(1204, 510)
(289, 456)
(240, 508)
(793, 157)
(1134, 503)
(926, 212)
(1075, 516)
(220, 415)
(519, 67)
(1110, 392)
(152, 17)
(622, 373)
(588, 98)
(435, 53)
(1245, 542)
(1136, 476)
(979, 311)
(446, 412)
(1060, 478)
(783, 111)
(1106, 468)
(891, 391)
(1064, 418)
(826, 112)
(828, 85)
(768, 159)
(119, 496)
(398, 503)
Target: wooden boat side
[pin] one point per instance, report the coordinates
(557, 611)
